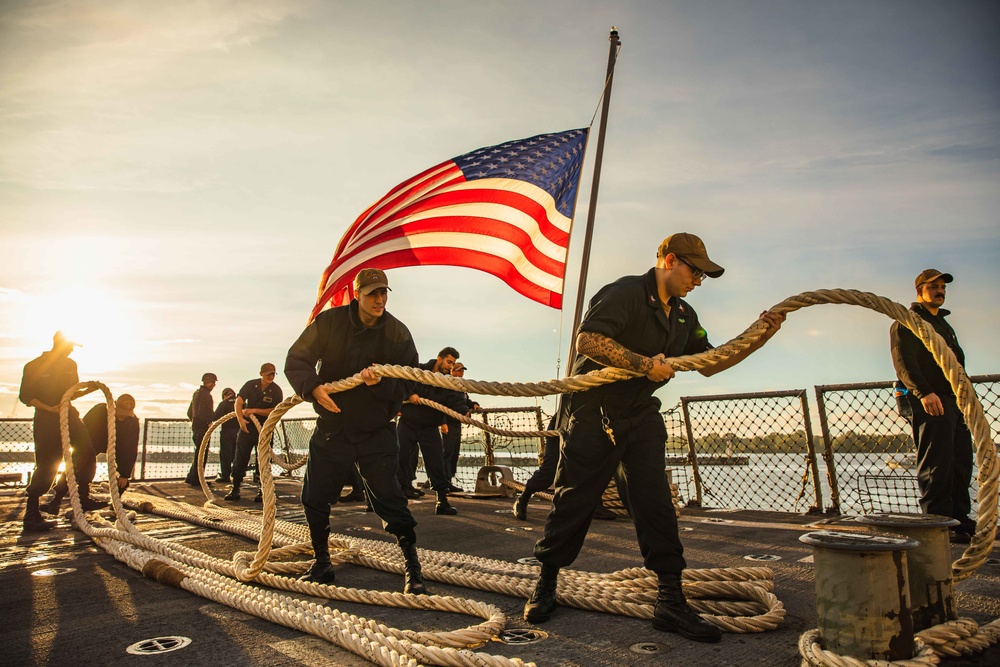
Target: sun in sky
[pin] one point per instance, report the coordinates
(74, 286)
(88, 315)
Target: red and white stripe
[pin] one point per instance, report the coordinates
(505, 227)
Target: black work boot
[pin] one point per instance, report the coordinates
(443, 506)
(52, 507)
(542, 603)
(86, 502)
(321, 572)
(673, 614)
(33, 521)
(89, 504)
(234, 493)
(414, 583)
(520, 508)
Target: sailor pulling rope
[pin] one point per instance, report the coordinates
(216, 579)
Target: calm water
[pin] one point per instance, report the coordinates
(867, 482)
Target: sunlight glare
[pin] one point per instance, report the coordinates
(96, 319)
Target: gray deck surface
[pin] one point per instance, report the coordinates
(90, 616)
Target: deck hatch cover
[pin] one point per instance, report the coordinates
(53, 571)
(522, 636)
(158, 645)
(648, 648)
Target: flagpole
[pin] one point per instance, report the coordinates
(592, 209)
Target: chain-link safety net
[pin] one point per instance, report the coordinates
(166, 450)
(479, 448)
(750, 451)
(678, 453)
(167, 447)
(739, 450)
(17, 451)
(294, 440)
(868, 450)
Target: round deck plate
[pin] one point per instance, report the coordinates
(53, 571)
(522, 636)
(158, 645)
(648, 648)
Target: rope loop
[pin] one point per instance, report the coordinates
(746, 605)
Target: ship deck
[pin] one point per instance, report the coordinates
(92, 614)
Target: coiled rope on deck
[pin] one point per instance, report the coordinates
(622, 599)
(222, 581)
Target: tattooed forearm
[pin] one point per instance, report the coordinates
(605, 351)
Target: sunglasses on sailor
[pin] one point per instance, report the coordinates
(696, 273)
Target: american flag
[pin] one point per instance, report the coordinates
(504, 209)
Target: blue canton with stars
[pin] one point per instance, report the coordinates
(550, 161)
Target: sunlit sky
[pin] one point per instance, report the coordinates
(174, 176)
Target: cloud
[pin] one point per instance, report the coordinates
(120, 81)
(967, 153)
(11, 295)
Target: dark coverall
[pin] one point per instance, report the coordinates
(47, 378)
(944, 444)
(419, 426)
(629, 312)
(126, 447)
(200, 414)
(227, 437)
(362, 436)
(253, 397)
(543, 477)
(451, 442)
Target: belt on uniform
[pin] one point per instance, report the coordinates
(619, 424)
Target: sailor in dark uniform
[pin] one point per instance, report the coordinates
(634, 323)
(228, 433)
(200, 413)
(43, 384)
(355, 428)
(258, 398)
(451, 431)
(126, 450)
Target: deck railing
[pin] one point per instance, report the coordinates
(751, 451)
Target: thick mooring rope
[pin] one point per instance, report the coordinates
(629, 592)
(972, 409)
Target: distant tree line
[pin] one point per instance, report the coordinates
(794, 442)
